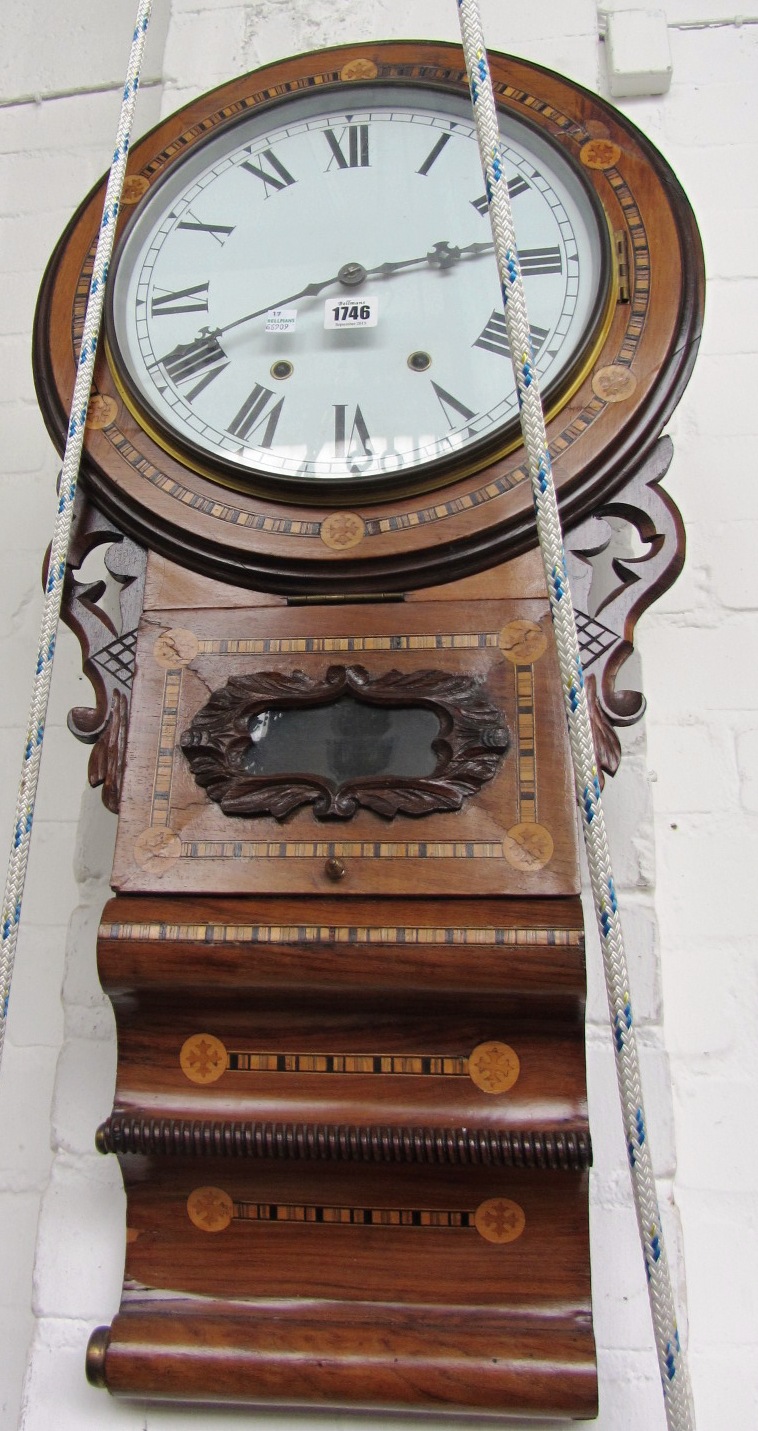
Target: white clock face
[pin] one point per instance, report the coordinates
(312, 298)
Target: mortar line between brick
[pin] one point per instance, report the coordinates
(22, 99)
(735, 22)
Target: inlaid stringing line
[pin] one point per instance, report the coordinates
(272, 646)
(319, 645)
(342, 934)
(408, 1065)
(352, 1216)
(274, 849)
(525, 745)
(355, 849)
(164, 763)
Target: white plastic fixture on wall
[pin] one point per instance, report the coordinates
(638, 54)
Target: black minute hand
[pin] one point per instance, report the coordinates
(309, 292)
(440, 255)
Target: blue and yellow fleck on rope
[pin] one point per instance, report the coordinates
(56, 573)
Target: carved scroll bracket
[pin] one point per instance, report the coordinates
(469, 749)
(612, 589)
(107, 645)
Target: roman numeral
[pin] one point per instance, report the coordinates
(253, 414)
(217, 231)
(434, 153)
(357, 147)
(203, 357)
(343, 441)
(449, 404)
(515, 187)
(183, 300)
(273, 178)
(540, 260)
(494, 338)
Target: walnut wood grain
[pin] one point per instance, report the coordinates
(533, 960)
(517, 835)
(426, 1314)
(370, 1356)
(309, 1165)
(298, 1016)
(267, 1075)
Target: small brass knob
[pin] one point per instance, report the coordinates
(334, 869)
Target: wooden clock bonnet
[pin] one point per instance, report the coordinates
(346, 948)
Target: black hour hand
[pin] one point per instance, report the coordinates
(189, 360)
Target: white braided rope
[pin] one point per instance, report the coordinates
(22, 826)
(673, 1367)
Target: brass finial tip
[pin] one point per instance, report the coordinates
(95, 1360)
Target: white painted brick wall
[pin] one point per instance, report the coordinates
(683, 811)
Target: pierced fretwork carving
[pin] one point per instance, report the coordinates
(107, 650)
(469, 749)
(612, 589)
(606, 742)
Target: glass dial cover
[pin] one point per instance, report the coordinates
(311, 301)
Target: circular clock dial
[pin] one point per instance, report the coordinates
(307, 310)
(311, 302)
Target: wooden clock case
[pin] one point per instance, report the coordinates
(350, 1107)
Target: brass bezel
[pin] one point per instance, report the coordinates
(441, 472)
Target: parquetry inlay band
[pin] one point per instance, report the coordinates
(522, 642)
(497, 1220)
(383, 934)
(493, 1066)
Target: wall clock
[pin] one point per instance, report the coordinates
(345, 951)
